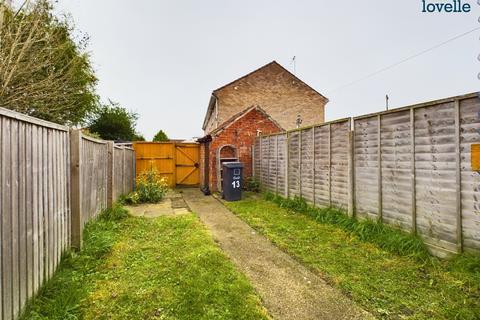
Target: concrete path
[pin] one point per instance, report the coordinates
(288, 290)
(173, 204)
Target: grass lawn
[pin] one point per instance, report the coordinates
(388, 284)
(137, 268)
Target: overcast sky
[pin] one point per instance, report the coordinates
(164, 58)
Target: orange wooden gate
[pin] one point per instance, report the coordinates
(177, 162)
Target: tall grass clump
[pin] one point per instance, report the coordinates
(61, 297)
(116, 213)
(386, 237)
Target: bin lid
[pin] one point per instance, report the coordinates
(233, 164)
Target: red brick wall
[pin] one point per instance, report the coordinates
(240, 134)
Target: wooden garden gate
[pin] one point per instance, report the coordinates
(177, 162)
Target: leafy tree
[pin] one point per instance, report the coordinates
(44, 71)
(138, 137)
(87, 133)
(160, 136)
(113, 122)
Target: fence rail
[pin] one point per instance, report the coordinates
(52, 181)
(408, 167)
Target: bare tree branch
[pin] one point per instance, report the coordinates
(43, 71)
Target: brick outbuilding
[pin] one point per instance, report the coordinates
(233, 142)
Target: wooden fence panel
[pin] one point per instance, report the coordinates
(272, 164)
(129, 170)
(339, 163)
(118, 158)
(123, 171)
(300, 163)
(33, 204)
(366, 166)
(396, 153)
(294, 146)
(306, 165)
(6, 219)
(435, 174)
(470, 180)
(257, 159)
(94, 177)
(411, 168)
(281, 160)
(322, 165)
(264, 151)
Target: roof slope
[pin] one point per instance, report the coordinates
(214, 93)
(239, 115)
(264, 67)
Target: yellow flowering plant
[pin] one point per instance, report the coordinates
(150, 188)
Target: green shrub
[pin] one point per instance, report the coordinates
(151, 188)
(131, 198)
(252, 184)
(386, 237)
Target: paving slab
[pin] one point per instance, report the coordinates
(172, 204)
(288, 289)
(152, 210)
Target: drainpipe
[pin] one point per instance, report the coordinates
(205, 187)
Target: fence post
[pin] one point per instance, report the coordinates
(300, 163)
(379, 155)
(268, 164)
(458, 178)
(254, 159)
(133, 168)
(329, 164)
(260, 168)
(287, 164)
(313, 165)
(351, 180)
(76, 188)
(110, 175)
(276, 164)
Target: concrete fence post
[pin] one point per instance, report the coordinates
(76, 188)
